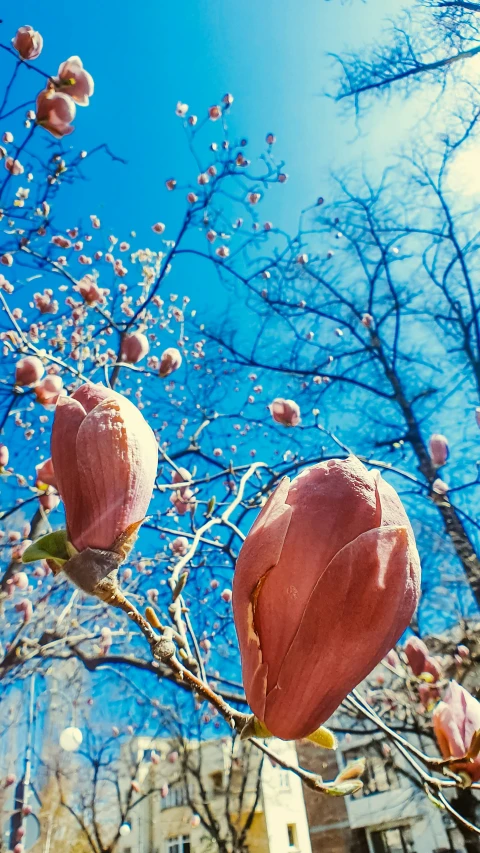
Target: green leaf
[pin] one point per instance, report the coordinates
(53, 546)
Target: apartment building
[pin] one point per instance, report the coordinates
(236, 788)
(391, 814)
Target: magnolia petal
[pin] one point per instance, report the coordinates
(346, 629)
(69, 415)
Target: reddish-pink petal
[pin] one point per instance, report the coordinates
(259, 554)
(69, 415)
(355, 614)
(320, 528)
(117, 461)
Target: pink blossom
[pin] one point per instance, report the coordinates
(14, 166)
(105, 459)
(48, 390)
(49, 500)
(226, 595)
(4, 455)
(285, 412)
(184, 500)
(28, 370)
(170, 361)
(439, 452)
(331, 561)
(89, 289)
(55, 112)
(74, 81)
(28, 43)
(158, 228)
(455, 721)
(134, 347)
(179, 546)
(25, 607)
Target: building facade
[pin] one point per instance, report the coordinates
(391, 814)
(233, 785)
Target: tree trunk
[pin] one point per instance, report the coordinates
(454, 526)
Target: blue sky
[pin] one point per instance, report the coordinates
(273, 59)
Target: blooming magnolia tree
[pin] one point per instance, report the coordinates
(140, 444)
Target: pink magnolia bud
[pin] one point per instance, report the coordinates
(195, 820)
(299, 569)
(172, 757)
(392, 659)
(164, 791)
(134, 347)
(158, 228)
(89, 289)
(74, 81)
(438, 446)
(455, 721)
(183, 500)
(428, 695)
(26, 608)
(20, 580)
(135, 786)
(55, 112)
(154, 757)
(28, 370)
(440, 487)
(4, 455)
(169, 362)
(47, 391)
(179, 546)
(182, 475)
(285, 412)
(28, 43)
(105, 459)
(226, 595)
(417, 654)
(14, 166)
(45, 474)
(463, 651)
(10, 780)
(49, 501)
(19, 848)
(214, 112)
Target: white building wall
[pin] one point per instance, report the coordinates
(284, 804)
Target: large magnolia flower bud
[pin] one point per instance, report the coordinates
(105, 459)
(326, 582)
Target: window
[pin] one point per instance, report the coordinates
(379, 775)
(292, 836)
(284, 780)
(176, 796)
(217, 781)
(398, 839)
(180, 844)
